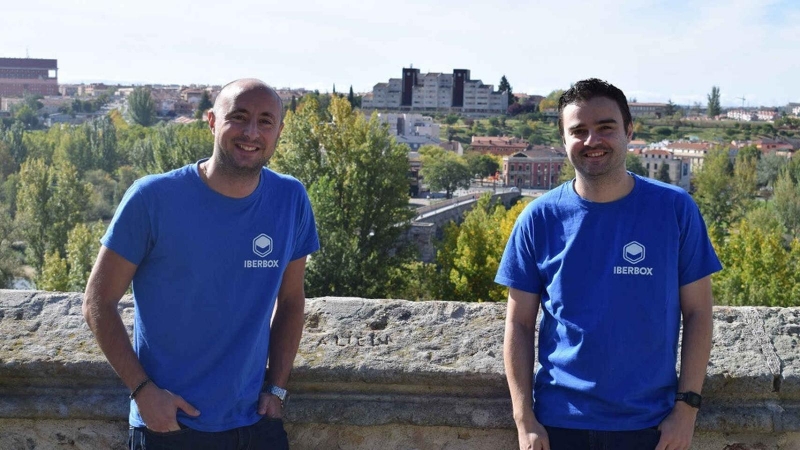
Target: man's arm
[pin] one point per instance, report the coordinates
(696, 307)
(110, 278)
(287, 328)
(518, 355)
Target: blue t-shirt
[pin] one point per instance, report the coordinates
(209, 270)
(609, 276)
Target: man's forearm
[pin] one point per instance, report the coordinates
(518, 355)
(695, 349)
(109, 331)
(287, 329)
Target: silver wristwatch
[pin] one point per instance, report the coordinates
(279, 392)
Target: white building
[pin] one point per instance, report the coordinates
(441, 92)
(414, 130)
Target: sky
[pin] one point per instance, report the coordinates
(653, 50)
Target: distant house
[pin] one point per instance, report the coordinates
(647, 109)
(414, 130)
(537, 168)
(694, 152)
(781, 148)
(679, 169)
(502, 145)
(453, 146)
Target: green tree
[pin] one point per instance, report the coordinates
(443, 170)
(358, 189)
(663, 173)
(481, 166)
(50, 202)
(505, 86)
(786, 198)
(759, 269)
(714, 108)
(551, 101)
(174, 146)
(300, 150)
(634, 164)
(670, 109)
(713, 189)
(351, 97)
(769, 167)
(203, 105)
(567, 172)
(468, 256)
(478, 249)
(54, 274)
(27, 117)
(14, 138)
(83, 244)
(10, 263)
(141, 107)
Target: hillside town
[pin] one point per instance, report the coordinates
(416, 108)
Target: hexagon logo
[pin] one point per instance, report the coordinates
(262, 245)
(633, 252)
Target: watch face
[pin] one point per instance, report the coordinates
(691, 398)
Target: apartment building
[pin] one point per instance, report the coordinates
(437, 92)
(21, 75)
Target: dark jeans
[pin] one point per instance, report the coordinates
(570, 439)
(266, 434)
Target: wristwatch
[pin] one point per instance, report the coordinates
(279, 392)
(692, 399)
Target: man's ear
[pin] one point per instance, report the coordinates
(211, 119)
(630, 131)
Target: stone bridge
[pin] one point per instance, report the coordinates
(427, 226)
(380, 374)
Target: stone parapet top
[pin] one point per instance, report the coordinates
(375, 362)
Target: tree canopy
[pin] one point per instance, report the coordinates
(443, 170)
(141, 107)
(355, 173)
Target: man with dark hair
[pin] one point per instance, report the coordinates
(615, 261)
(213, 250)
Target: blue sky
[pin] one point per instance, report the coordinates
(653, 50)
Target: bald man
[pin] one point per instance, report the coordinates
(212, 249)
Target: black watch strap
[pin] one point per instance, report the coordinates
(692, 399)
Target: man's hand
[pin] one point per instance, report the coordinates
(532, 435)
(678, 427)
(159, 408)
(270, 405)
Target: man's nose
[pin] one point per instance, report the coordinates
(251, 129)
(592, 139)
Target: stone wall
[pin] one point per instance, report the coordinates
(386, 374)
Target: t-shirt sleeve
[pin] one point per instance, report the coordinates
(696, 257)
(306, 240)
(129, 233)
(518, 268)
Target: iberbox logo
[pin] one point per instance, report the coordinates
(262, 247)
(633, 252)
